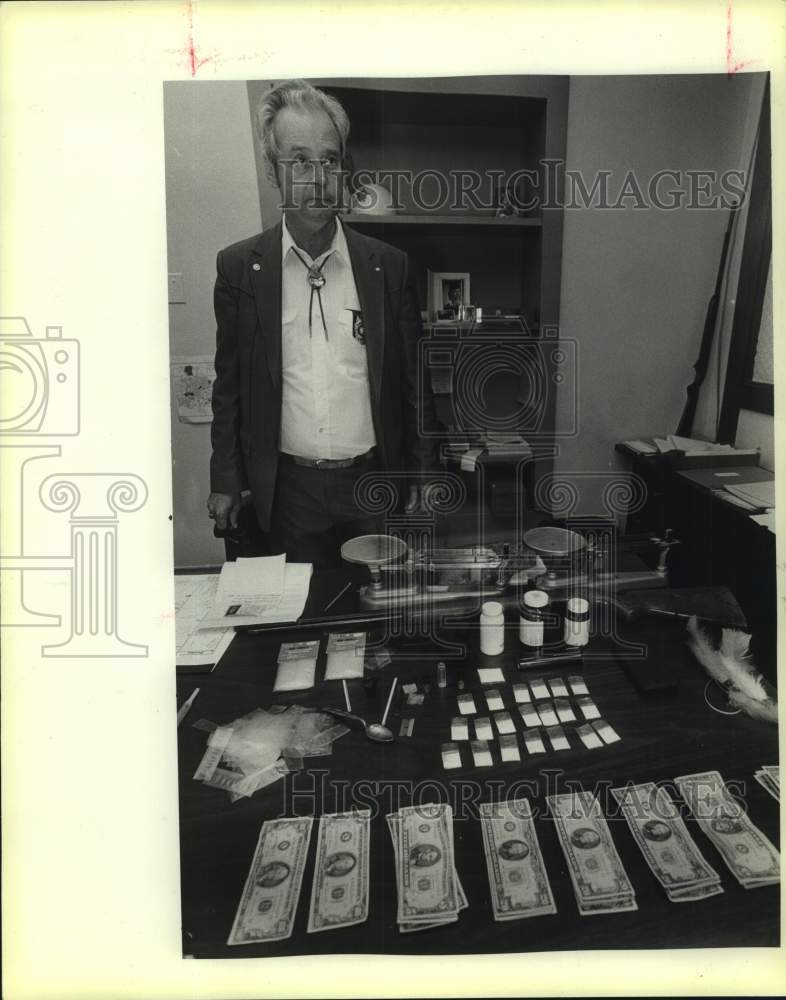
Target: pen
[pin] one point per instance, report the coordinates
(555, 659)
(182, 712)
(339, 594)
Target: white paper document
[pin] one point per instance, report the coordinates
(260, 591)
(195, 644)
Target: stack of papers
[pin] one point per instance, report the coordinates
(503, 445)
(642, 447)
(689, 446)
(198, 646)
(260, 591)
(494, 444)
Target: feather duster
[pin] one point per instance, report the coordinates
(732, 668)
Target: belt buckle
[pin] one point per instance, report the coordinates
(318, 462)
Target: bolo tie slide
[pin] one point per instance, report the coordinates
(316, 280)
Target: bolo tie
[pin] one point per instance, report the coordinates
(316, 280)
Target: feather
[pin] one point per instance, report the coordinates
(732, 668)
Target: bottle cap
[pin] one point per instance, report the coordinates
(536, 598)
(578, 606)
(492, 609)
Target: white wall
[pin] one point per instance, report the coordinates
(212, 200)
(635, 283)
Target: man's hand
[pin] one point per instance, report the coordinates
(223, 508)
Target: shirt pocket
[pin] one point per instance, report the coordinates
(351, 338)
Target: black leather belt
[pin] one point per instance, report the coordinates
(330, 463)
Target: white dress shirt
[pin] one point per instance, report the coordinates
(325, 406)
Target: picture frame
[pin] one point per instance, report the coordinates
(446, 291)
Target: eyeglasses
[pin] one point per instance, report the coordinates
(302, 166)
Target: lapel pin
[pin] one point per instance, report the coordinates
(256, 267)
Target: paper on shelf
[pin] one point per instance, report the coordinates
(470, 459)
(641, 446)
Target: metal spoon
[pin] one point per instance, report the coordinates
(374, 730)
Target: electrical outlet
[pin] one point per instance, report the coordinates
(177, 295)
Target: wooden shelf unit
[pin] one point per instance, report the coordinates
(437, 127)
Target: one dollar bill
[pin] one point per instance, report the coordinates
(427, 889)
(517, 876)
(394, 824)
(270, 895)
(599, 879)
(667, 846)
(340, 890)
(750, 856)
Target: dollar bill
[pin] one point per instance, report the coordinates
(340, 890)
(596, 871)
(768, 776)
(517, 876)
(427, 871)
(667, 846)
(267, 906)
(750, 856)
(394, 823)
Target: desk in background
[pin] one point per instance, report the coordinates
(719, 543)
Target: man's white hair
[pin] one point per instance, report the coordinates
(301, 95)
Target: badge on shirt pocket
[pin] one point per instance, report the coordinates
(358, 330)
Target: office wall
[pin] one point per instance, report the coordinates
(636, 282)
(212, 200)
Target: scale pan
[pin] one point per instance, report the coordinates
(373, 550)
(553, 541)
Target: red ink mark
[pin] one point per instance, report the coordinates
(732, 67)
(190, 47)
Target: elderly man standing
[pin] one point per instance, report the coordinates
(316, 349)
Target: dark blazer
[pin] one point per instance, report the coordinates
(247, 389)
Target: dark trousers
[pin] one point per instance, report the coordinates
(315, 511)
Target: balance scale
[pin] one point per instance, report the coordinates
(554, 559)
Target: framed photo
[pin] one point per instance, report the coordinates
(447, 292)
